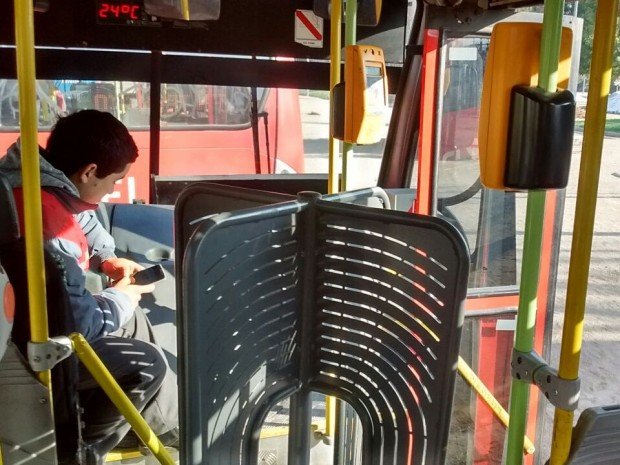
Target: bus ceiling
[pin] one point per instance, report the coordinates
(470, 15)
(104, 48)
(483, 4)
(268, 29)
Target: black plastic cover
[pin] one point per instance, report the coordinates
(338, 110)
(540, 139)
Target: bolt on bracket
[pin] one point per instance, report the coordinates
(531, 368)
(43, 356)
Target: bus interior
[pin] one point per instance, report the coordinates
(231, 113)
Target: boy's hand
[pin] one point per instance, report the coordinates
(119, 268)
(133, 290)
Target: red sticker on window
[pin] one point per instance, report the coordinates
(8, 301)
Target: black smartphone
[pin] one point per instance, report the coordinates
(149, 275)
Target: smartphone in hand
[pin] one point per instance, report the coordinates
(149, 275)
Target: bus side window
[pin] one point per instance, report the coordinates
(104, 98)
(81, 97)
(9, 106)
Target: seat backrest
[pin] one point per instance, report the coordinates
(204, 199)
(7, 310)
(21, 395)
(16, 440)
(596, 437)
(363, 304)
(9, 232)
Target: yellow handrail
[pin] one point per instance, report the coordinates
(587, 192)
(334, 78)
(489, 399)
(109, 385)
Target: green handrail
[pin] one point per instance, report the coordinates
(534, 222)
(350, 38)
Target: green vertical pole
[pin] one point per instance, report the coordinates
(350, 38)
(534, 221)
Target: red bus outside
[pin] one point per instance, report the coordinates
(204, 129)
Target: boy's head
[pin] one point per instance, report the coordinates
(93, 149)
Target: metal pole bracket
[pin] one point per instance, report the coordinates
(562, 393)
(531, 368)
(43, 356)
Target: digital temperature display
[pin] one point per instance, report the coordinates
(110, 12)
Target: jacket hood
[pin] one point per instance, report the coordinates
(11, 164)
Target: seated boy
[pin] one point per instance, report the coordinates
(86, 154)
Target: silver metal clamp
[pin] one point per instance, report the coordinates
(43, 356)
(531, 368)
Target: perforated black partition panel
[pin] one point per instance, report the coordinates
(240, 333)
(387, 328)
(364, 304)
(202, 199)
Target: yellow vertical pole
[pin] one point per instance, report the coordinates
(334, 78)
(334, 151)
(587, 191)
(24, 50)
(185, 7)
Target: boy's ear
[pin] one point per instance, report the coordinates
(86, 173)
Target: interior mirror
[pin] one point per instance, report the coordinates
(184, 10)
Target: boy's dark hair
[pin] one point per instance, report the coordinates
(90, 136)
